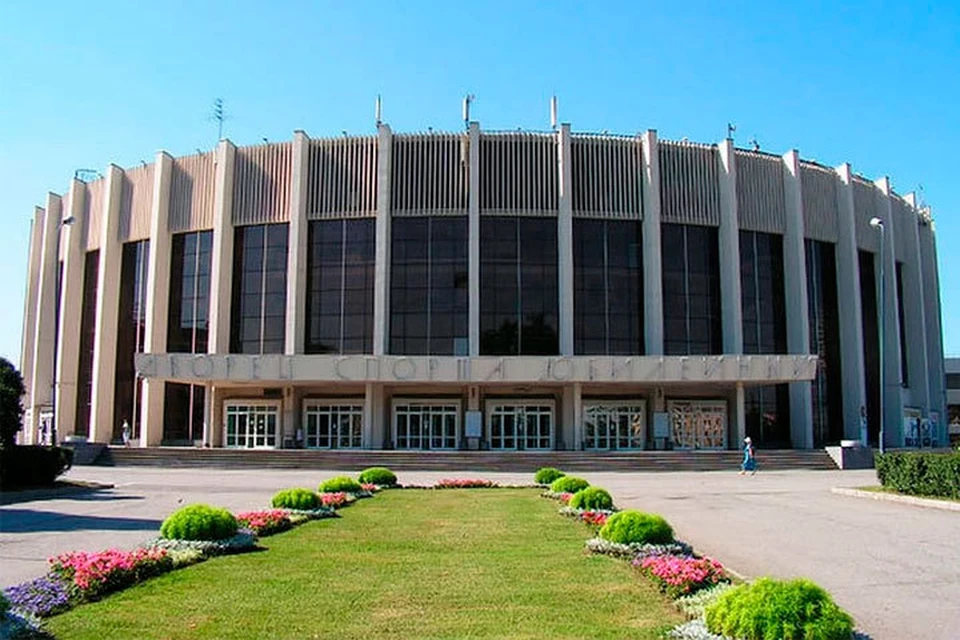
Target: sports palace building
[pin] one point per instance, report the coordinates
(482, 290)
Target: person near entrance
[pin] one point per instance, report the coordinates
(125, 433)
(749, 459)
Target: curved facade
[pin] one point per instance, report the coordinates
(492, 290)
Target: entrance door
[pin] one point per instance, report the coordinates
(426, 424)
(698, 424)
(333, 424)
(251, 425)
(611, 426)
(520, 425)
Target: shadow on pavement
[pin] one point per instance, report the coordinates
(30, 521)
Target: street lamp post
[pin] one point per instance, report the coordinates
(64, 222)
(877, 223)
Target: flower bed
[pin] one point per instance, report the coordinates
(636, 549)
(335, 499)
(245, 540)
(369, 487)
(593, 517)
(96, 574)
(561, 496)
(464, 483)
(42, 597)
(265, 523)
(681, 575)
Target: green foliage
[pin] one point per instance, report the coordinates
(380, 476)
(4, 605)
(766, 609)
(546, 475)
(11, 411)
(302, 499)
(921, 474)
(32, 466)
(568, 484)
(199, 522)
(628, 527)
(592, 498)
(340, 483)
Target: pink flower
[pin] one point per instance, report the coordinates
(333, 499)
(680, 575)
(464, 483)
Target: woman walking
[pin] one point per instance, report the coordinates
(749, 460)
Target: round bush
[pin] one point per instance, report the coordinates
(592, 498)
(777, 609)
(340, 483)
(628, 527)
(302, 499)
(199, 522)
(380, 476)
(546, 475)
(568, 484)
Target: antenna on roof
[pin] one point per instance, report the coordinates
(379, 120)
(553, 113)
(467, 99)
(219, 115)
(754, 143)
(731, 128)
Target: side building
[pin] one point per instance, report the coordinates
(488, 290)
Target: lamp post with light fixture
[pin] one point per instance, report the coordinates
(877, 223)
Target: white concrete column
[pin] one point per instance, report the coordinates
(652, 262)
(473, 233)
(892, 399)
(215, 428)
(915, 313)
(573, 415)
(931, 301)
(42, 325)
(374, 428)
(108, 309)
(565, 241)
(728, 238)
(218, 339)
(381, 279)
(567, 433)
(158, 300)
(852, 368)
(795, 292)
(210, 415)
(71, 307)
(739, 414)
(29, 334)
(297, 253)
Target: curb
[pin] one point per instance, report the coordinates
(893, 497)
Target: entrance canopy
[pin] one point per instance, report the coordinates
(745, 369)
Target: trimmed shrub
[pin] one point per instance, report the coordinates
(340, 483)
(592, 498)
(628, 527)
(568, 484)
(380, 476)
(32, 466)
(199, 522)
(301, 499)
(920, 473)
(546, 475)
(793, 610)
(11, 409)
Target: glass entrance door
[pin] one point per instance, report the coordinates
(333, 425)
(516, 426)
(251, 426)
(426, 424)
(698, 424)
(614, 425)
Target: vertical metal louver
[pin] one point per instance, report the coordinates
(342, 178)
(136, 203)
(191, 193)
(518, 173)
(261, 184)
(93, 213)
(818, 189)
(429, 174)
(606, 177)
(865, 196)
(760, 196)
(689, 185)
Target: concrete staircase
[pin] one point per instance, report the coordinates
(461, 461)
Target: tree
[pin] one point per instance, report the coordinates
(11, 411)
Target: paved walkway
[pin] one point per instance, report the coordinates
(895, 567)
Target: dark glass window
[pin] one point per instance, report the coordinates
(131, 334)
(904, 380)
(182, 413)
(518, 286)
(764, 332)
(871, 342)
(953, 381)
(340, 272)
(825, 342)
(691, 290)
(608, 287)
(428, 286)
(259, 310)
(88, 332)
(189, 306)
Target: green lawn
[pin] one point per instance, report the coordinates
(406, 564)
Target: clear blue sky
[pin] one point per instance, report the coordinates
(83, 84)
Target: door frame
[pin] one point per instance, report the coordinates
(409, 401)
(642, 403)
(308, 403)
(488, 420)
(275, 404)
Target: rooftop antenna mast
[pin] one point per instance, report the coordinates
(467, 99)
(553, 113)
(379, 110)
(731, 128)
(219, 115)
